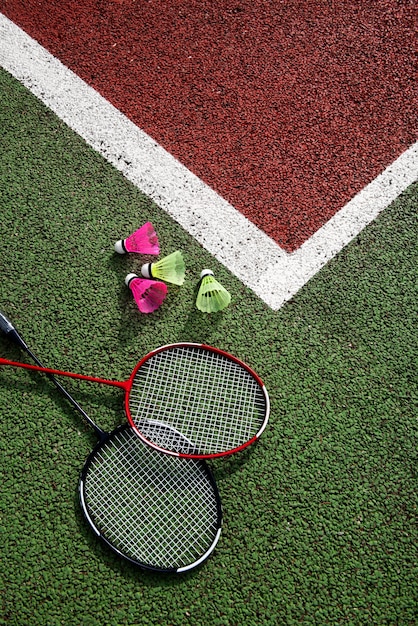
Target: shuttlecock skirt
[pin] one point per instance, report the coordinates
(148, 294)
(171, 269)
(212, 296)
(142, 241)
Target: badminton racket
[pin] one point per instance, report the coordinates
(217, 403)
(157, 511)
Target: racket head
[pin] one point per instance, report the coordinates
(159, 512)
(213, 403)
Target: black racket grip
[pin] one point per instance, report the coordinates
(5, 324)
(7, 327)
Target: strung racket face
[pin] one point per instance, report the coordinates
(213, 403)
(160, 512)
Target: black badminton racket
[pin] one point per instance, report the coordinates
(157, 511)
(215, 401)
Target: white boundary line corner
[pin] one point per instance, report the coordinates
(273, 274)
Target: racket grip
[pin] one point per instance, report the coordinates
(5, 324)
(8, 329)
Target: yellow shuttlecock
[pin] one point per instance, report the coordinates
(211, 297)
(171, 269)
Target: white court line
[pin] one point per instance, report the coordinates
(273, 274)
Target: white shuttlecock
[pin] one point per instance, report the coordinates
(148, 294)
(212, 296)
(143, 241)
(171, 269)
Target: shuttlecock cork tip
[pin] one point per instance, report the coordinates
(206, 272)
(129, 277)
(120, 247)
(146, 270)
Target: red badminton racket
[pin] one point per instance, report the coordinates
(189, 400)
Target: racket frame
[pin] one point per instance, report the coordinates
(92, 457)
(217, 351)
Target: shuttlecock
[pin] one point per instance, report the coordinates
(148, 294)
(211, 297)
(171, 269)
(144, 241)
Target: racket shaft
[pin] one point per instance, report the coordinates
(54, 372)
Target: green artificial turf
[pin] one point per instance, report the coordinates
(319, 517)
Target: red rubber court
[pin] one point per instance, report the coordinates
(286, 109)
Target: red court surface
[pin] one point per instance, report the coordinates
(286, 108)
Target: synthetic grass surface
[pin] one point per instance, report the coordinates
(319, 517)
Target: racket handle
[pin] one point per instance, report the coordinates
(8, 329)
(5, 324)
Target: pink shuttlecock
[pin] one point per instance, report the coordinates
(148, 294)
(144, 241)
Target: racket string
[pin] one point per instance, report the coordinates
(213, 401)
(147, 537)
(149, 506)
